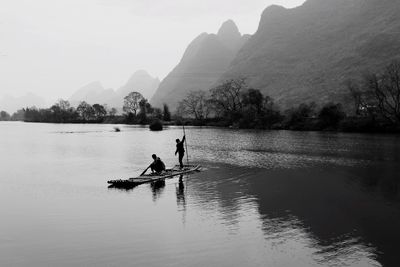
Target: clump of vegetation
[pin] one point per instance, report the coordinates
(156, 125)
(63, 112)
(137, 111)
(4, 116)
(230, 104)
(330, 116)
(301, 118)
(233, 104)
(166, 113)
(376, 99)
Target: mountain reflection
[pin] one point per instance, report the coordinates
(335, 209)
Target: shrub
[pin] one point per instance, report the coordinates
(156, 125)
(330, 116)
(301, 118)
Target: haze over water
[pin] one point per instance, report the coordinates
(262, 199)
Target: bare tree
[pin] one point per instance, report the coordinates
(253, 100)
(195, 104)
(379, 93)
(85, 111)
(99, 111)
(227, 96)
(386, 88)
(166, 113)
(64, 105)
(112, 112)
(362, 99)
(131, 102)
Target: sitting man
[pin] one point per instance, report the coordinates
(157, 166)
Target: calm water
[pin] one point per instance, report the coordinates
(262, 199)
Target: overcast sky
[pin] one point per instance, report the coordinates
(53, 47)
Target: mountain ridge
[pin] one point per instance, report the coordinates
(205, 59)
(140, 81)
(306, 53)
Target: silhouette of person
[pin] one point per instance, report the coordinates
(180, 149)
(157, 166)
(180, 193)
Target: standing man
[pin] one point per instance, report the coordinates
(180, 149)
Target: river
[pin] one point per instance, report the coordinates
(263, 198)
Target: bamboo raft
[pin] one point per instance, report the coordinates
(150, 178)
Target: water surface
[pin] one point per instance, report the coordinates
(263, 198)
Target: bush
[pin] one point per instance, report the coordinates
(156, 125)
(301, 118)
(166, 113)
(330, 116)
(4, 116)
(130, 118)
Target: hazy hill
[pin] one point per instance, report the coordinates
(94, 92)
(12, 104)
(304, 54)
(206, 58)
(140, 82)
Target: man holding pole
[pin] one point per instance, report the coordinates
(180, 149)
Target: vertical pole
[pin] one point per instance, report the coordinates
(187, 152)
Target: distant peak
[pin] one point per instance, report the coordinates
(229, 29)
(139, 76)
(95, 84)
(271, 12)
(317, 2)
(141, 73)
(273, 9)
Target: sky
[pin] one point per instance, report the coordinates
(53, 47)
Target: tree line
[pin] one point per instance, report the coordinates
(136, 109)
(376, 98)
(376, 108)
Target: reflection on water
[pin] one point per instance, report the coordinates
(314, 214)
(157, 189)
(181, 198)
(124, 187)
(180, 193)
(262, 199)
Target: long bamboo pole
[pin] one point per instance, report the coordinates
(187, 152)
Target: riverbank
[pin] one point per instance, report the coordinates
(348, 125)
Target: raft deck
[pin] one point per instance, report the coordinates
(150, 178)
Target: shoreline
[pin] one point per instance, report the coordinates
(218, 126)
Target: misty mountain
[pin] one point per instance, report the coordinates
(306, 53)
(206, 58)
(140, 82)
(94, 92)
(12, 104)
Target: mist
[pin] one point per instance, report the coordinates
(52, 48)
